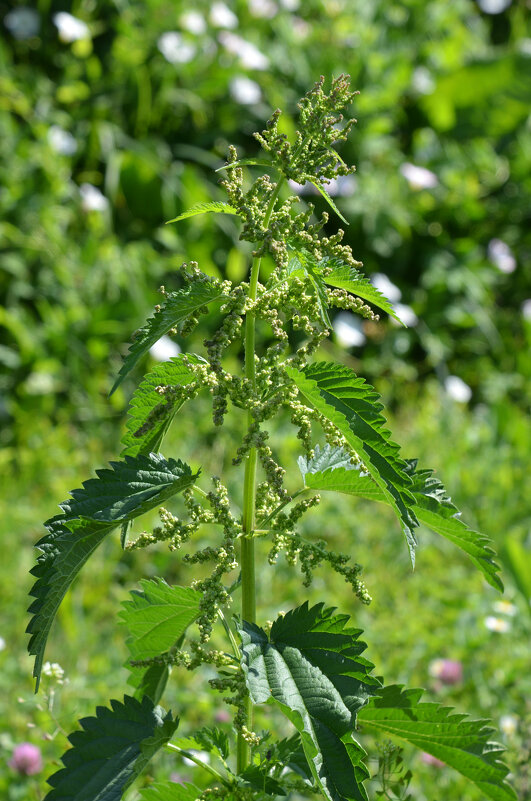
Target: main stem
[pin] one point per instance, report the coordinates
(247, 561)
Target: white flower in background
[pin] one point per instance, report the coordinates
(497, 624)
(505, 608)
(290, 5)
(92, 199)
(22, 23)
(406, 314)
(175, 48)
(501, 255)
(61, 141)
(70, 28)
(342, 186)
(422, 81)
(245, 91)
(2, 644)
(249, 55)
(222, 17)
(494, 6)
(418, 177)
(54, 671)
(200, 755)
(348, 330)
(164, 349)
(194, 22)
(266, 9)
(509, 724)
(526, 309)
(456, 388)
(386, 287)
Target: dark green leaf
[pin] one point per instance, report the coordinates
(177, 307)
(150, 681)
(461, 743)
(120, 494)
(433, 507)
(354, 407)
(150, 413)
(112, 749)
(311, 667)
(343, 276)
(254, 776)
(158, 616)
(204, 208)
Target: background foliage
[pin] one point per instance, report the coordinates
(107, 135)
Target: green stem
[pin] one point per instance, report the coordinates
(182, 752)
(247, 561)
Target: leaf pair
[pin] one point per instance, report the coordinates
(311, 667)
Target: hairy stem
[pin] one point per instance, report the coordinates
(247, 562)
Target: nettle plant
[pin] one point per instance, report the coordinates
(309, 662)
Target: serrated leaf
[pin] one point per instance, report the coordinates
(129, 489)
(455, 739)
(170, 791)
(354, 407)
(327, 458)
(205, 208)
(110, 751)
(433, 507)
(327, 197)
(343, 276)
(251, 162)
(255, 777)
(150, 413)
(311, 667)
(301, 265)
(173, 312)
(150, 681)
(158, 616)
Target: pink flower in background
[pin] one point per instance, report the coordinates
(222, 716)
(449, 671)
(176, 778)
(428, 759)
(26, 759)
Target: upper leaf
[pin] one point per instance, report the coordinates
(343, 276)
(327, 458)
(302, 265)
(204, 208)
(176, 308)
(353, 406)
(320, 188)
(251, 162)
(112, 749)
(150, 413)
(118, 495)
(433, 507)
(311, 667)
(158, 616)
(461, 743)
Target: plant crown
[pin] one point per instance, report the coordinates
(308, 663)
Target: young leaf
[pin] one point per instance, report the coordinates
(170, 792)
(158, 616)
(343, 276)
(433, 507)
(252, 162)
(176, 308)
(255, 777)
(118, 495)
(353, 406)
(311, 667)
(204, 208)
(459, 742)
(327, 197)
(150, 413)
(327, 458)
(301, 265)
(110, 751)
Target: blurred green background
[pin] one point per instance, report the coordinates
(113, 119)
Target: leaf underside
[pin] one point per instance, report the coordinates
(433, 507)
(177, 307)
(110, 751)
(354, 408)
(311, 667)
(150, 413)
(205, 208)
(119, 494)
(459, 742)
